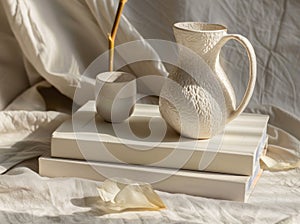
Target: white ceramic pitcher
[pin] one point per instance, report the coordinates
(205, 101)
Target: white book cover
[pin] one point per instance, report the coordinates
(205, 184)
(145, 139)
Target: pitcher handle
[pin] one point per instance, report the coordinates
(252, 72)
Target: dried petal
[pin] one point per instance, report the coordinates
(119, 195)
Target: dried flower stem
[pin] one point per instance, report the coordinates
(112, 35)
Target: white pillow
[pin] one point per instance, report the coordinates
(13, 78)
(61, 38)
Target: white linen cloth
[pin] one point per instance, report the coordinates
(272, 27)
(25, 135)
(61, 38)
(56, 40)
(26, 197)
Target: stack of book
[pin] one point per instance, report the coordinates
(144, 148)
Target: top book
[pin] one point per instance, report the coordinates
(145, 139)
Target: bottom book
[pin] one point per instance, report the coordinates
(205, 184)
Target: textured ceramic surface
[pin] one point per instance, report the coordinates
(198, 100)
(115, 95)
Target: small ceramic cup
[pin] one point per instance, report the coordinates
(115, 95)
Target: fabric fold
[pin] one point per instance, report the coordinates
(60, 39)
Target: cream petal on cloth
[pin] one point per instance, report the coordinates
(119, 195)
(283, 151)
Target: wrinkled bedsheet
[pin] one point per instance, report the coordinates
(56, 40)
(26, 197)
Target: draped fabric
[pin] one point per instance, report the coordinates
(47, 45)
(59, 39)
